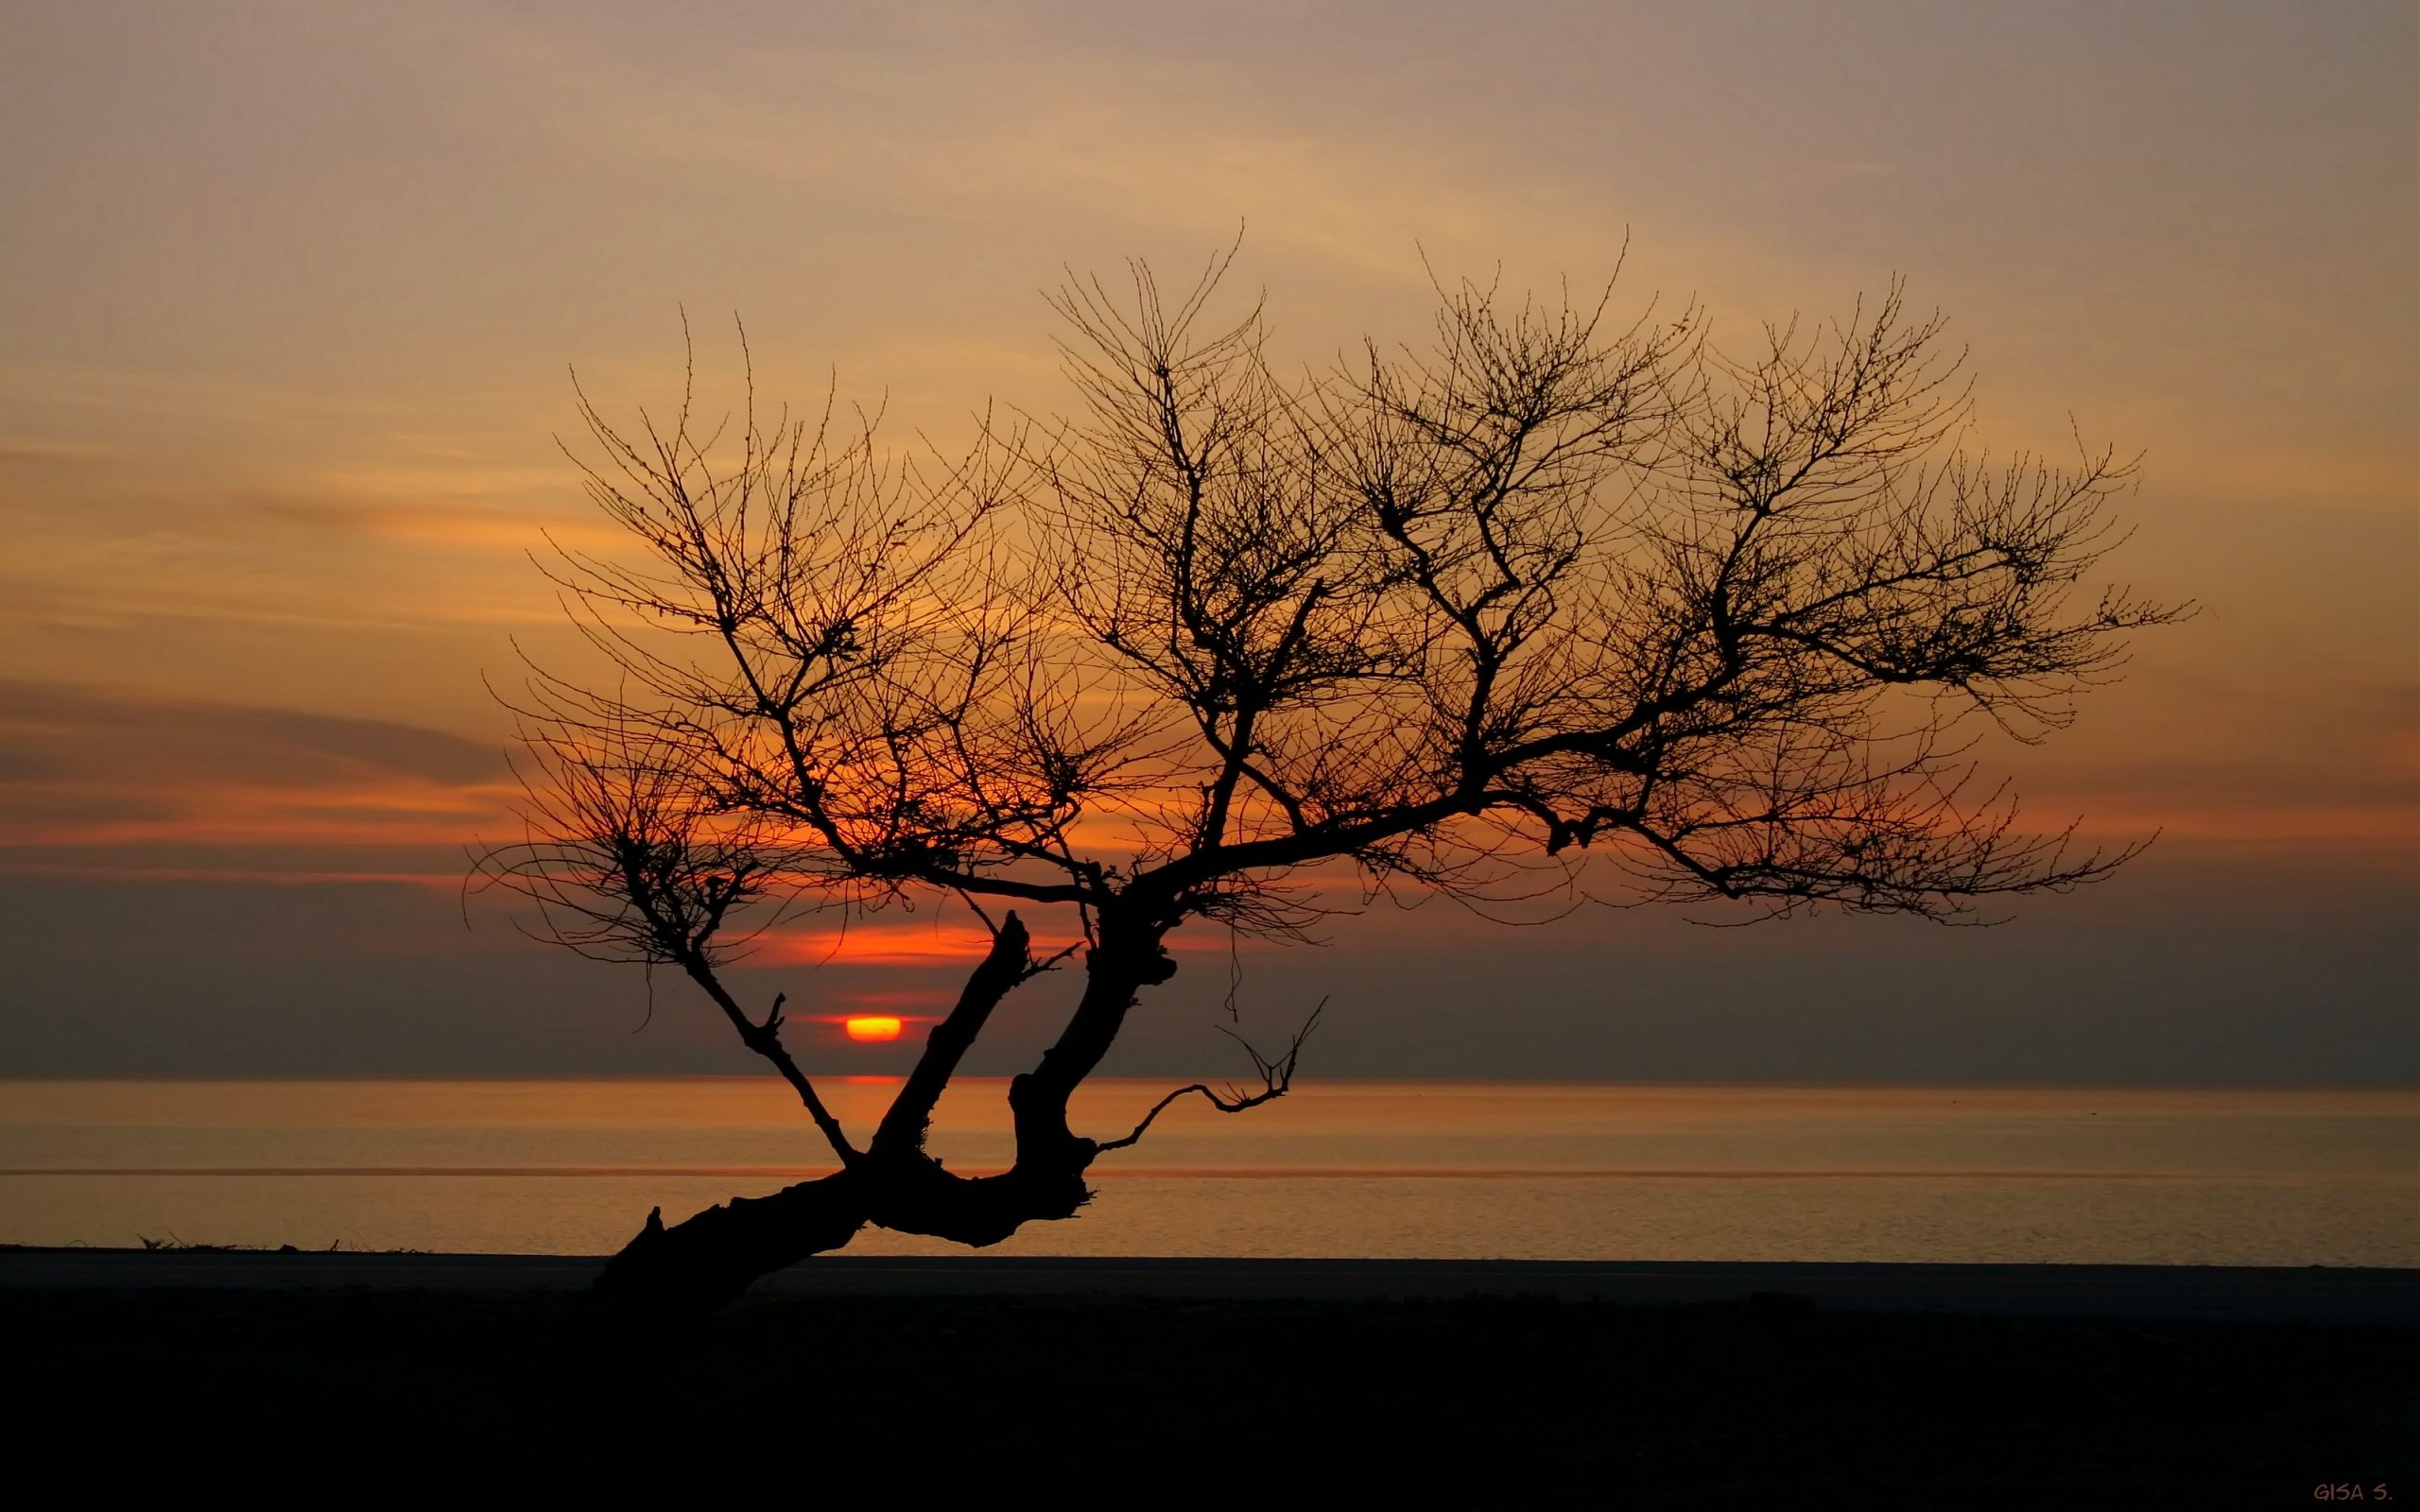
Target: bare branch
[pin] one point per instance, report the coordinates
(1276, 1079)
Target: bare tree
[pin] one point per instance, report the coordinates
(1550, 587)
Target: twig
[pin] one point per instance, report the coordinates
(1276, 1079)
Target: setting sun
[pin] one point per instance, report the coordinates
(871, 1027)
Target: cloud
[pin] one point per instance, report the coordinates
(90, 767)
(111, 727)
(47, 457)
(467, 527)
(2327, 762)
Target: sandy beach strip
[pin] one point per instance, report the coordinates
(2251, 1294)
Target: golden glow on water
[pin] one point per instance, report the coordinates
(1459, 1170)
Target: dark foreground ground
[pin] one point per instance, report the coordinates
(379, 1394)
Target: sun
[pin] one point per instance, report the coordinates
(871, 1027)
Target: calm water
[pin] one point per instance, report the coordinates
(1342, 1169)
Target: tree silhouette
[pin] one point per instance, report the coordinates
(1549, 588)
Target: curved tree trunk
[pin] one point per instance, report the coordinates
(701, 1265)
(683, 1272)
(687, 1271)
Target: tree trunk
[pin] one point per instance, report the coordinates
(685, 1272)
(681, 1274)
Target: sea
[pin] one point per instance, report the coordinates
(1462, 1170)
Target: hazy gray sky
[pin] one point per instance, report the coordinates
(287, 294)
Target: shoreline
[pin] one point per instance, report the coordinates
(2365, 1296)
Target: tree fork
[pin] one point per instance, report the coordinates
(1009, 962)
(1126, 959)
(685, 1272)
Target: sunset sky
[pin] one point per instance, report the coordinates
(289, 295)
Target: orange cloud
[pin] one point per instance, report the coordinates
(166, 784)
(874, 942)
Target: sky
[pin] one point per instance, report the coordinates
(290, 295)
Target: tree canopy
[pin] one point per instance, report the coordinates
(1553, 585)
